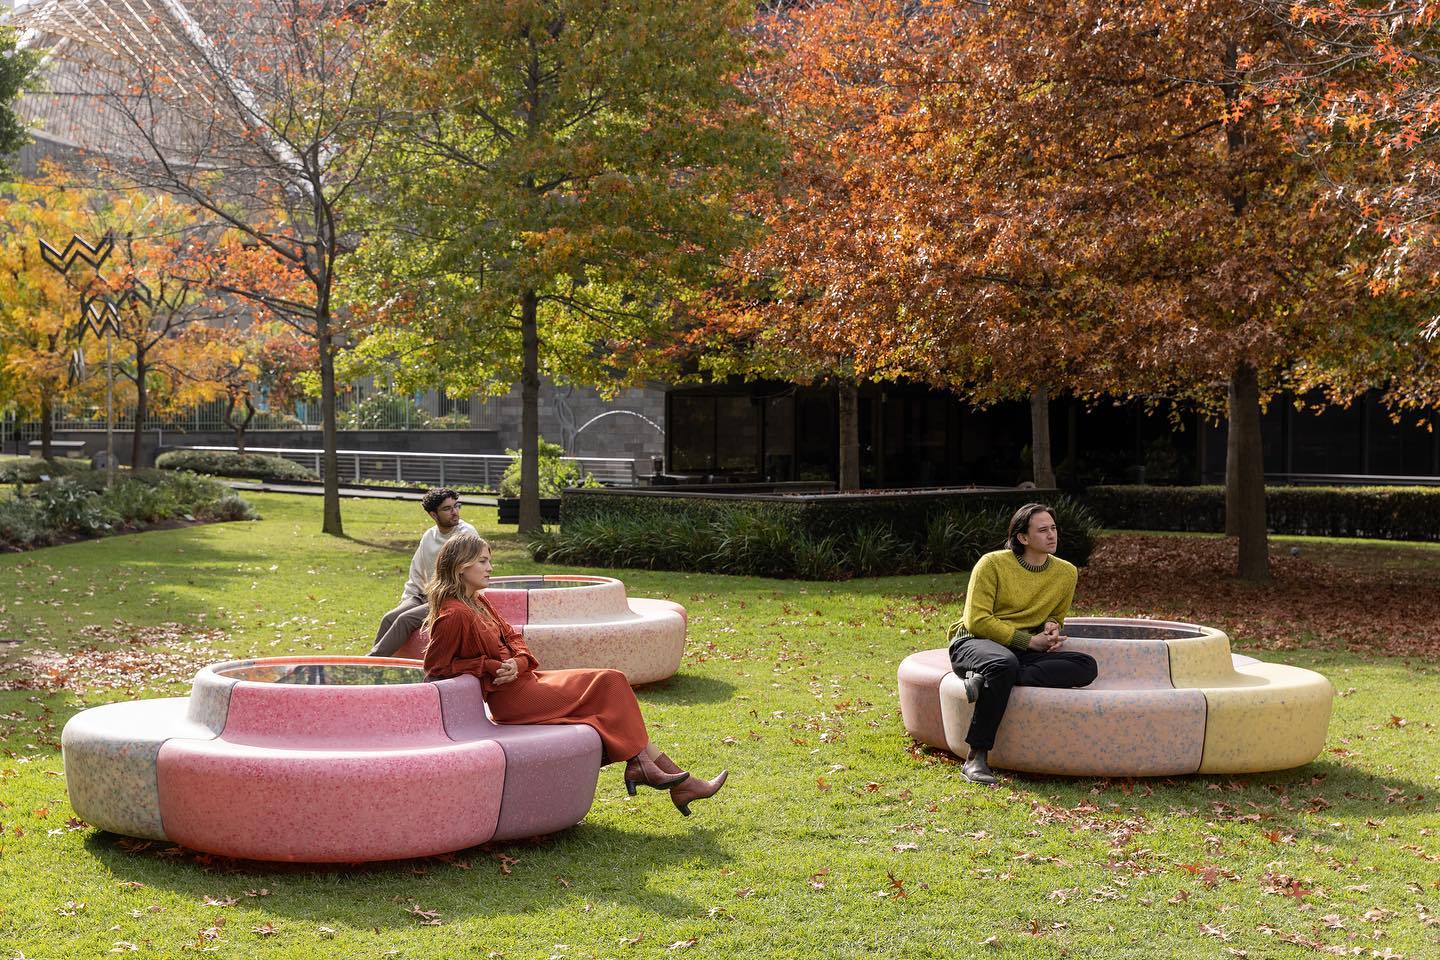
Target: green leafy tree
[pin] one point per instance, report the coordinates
(17, 67)
(567, 185)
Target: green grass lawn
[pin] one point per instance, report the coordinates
(836, 836)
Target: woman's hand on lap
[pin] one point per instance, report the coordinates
(509, 670)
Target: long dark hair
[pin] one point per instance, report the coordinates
(1020, 523)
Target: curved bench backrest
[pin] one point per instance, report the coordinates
(355, 717)
(512, 605)
(1126, 664)
(462, 708)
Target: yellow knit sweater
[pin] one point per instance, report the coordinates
(1008, 603)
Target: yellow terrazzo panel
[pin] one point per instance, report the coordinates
(1200, 661)
(1268, 717)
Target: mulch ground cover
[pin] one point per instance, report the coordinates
(1373, 599)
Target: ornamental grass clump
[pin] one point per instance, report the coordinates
(774, 538)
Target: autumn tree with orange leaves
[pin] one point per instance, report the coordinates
(1364, 82)
(261, 114)
(38, 308)
(155, 280)
(1067, 195)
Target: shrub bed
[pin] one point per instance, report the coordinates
(1386, 513)
(257, 466)
(812, 538)
(81, 506)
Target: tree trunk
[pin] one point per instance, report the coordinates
(330, 468)
(244, 425)
(849, 404)
(530, 522)
(1245, 479)
(142, 402)
(1232, 465)
(1041, 465)
(47, 427)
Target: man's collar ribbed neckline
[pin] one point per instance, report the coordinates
(1033, 569)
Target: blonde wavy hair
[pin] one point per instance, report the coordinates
(459, 550)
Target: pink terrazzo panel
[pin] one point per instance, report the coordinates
(512, 605)
(414, 646)
(550, 769)
(330, 805)
(1088, 732)
(284, 715)
(596, 599)
(919, 678)
(645, 605)
(645, 648)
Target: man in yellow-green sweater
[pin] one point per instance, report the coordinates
(1010, 634)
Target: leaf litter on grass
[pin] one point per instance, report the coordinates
(122, 657)
(1371, 609)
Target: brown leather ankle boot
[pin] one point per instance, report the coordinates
(640, 770)
(683, 794)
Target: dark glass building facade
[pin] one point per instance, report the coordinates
(915, 436)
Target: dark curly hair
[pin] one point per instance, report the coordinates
(432, 500)
(1020, 523)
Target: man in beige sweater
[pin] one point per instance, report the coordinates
(397, 625)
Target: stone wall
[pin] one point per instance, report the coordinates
(568, 417)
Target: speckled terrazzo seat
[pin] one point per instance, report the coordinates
(574, 621)
(1169, 699)
(325, 759)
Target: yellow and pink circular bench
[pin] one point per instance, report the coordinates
(573, 621)
(1170, 698)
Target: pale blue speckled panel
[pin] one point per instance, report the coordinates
(110, 755)
(210, 698)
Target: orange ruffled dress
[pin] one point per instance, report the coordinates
(462, 641)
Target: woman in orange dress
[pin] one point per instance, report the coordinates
(468, 636)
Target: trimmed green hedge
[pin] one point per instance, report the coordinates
(1385, 513)
(258, 466)
(827, 537)
(82, 506)
(33, 469)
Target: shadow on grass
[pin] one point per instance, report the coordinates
(586, 863)
(686, 689)
(1288, 800)
(406, 546)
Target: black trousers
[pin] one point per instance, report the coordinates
(1001, 668)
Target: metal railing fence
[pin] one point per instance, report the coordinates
(356, 408)
(435, 469)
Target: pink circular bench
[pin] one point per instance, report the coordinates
(325, 759)
(1170, 698)
(576, 621)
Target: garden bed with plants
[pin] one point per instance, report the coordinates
(79, 506)
(812, 537)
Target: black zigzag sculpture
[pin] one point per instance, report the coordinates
(97, 314)
(78, 249)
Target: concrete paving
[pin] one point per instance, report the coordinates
(371, 493)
